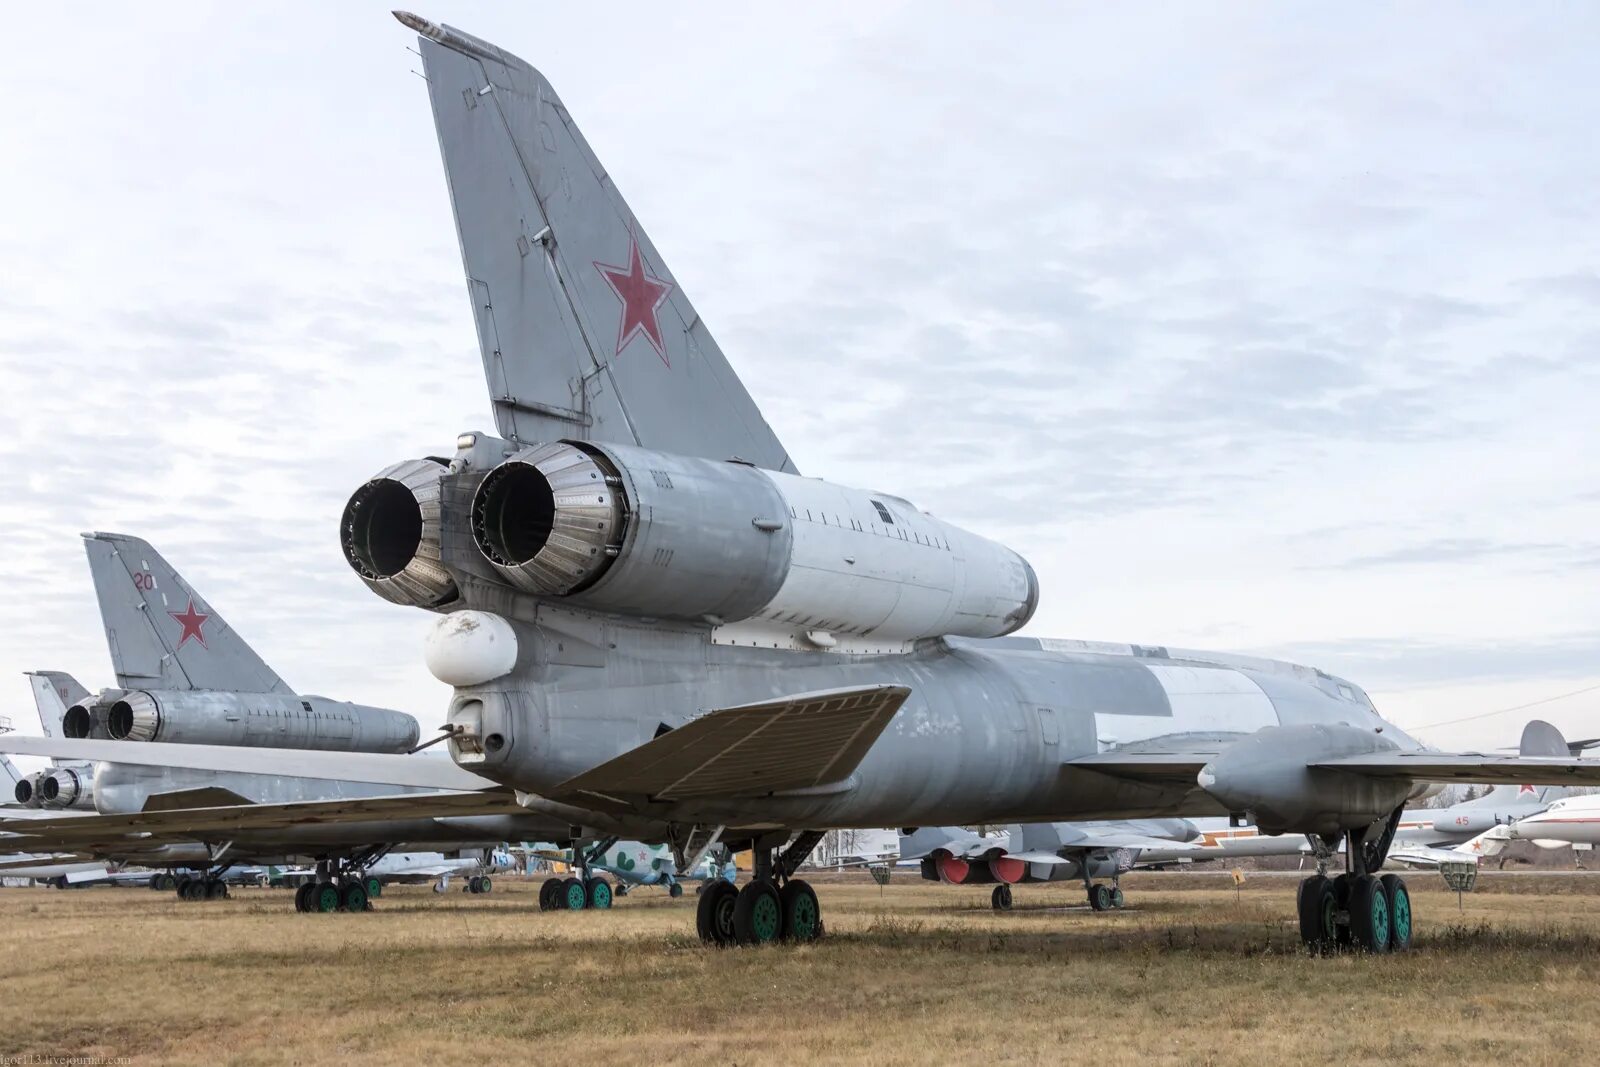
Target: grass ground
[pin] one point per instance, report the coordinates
(1191, 973)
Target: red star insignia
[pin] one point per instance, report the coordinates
(641, 293)
(1521, 789)
(191, 621)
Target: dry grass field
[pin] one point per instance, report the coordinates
(1190, 973)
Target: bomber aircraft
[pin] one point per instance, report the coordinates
(649, 618)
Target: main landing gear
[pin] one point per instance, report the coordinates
(478, 883)
(340, 885)
(209, 886)
(1357, 908)
(584, 891)
(1102, 897)
(772, 906)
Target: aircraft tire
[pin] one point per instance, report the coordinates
(474, 885)
(1117, 899)
(549, 891)
(1000, 898)
(1317, 906)
(714, 913)
(302, 896)
(353, 896)
(485, 885)
(216, 889)
(757, 914)
(599, 891)
(373, 886)
(1399, 912)
(675, 890)
(325, 897)
(155, 881)
(802, 912)
(1342, 936)
(1369, 914)
(1099, 897)
(181, 887)
(574, 895)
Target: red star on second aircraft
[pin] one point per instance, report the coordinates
(641, 293)
(192, 621)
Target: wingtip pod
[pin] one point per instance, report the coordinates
(451, 38)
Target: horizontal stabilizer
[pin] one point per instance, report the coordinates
(203, 823)
(21, 862)
(751, 750)
(418, 772)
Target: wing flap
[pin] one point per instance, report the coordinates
(790, 743)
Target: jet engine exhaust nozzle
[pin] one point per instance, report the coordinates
(65, 787)
(390, 533)
(136, 717)
(549, 518)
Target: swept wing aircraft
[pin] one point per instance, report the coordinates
(649, 618)
(647, 612)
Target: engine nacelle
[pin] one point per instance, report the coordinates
(390, 533)
(27, 791)
(638, 532)
(260, 720)
(1268, 774)
(68, 787)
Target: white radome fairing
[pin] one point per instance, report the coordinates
(466, 648)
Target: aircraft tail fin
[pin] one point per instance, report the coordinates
(1540, 738)
(53, 693)
(583, 330)
(161, 633)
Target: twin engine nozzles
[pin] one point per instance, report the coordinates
(547, 520)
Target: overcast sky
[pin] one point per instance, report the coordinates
(1277, 331)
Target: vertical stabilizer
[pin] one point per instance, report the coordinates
(584, 331)
(161, 633)
(53, 693)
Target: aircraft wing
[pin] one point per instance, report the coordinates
(188, 824)
(418, 772)
(48, 860)
(1153, 767)
(750, 750)
(1476, 767)
(1122, 839)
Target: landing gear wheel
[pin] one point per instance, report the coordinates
(574, 894)
(216, 889)
(1369, 913)
(302, 897)
(374, 888)
(485, 885)
(599, 893)
(1000, 899)
(757, 914)
(675, 890)
(353, 896)
(325, 897)
(194, 890)
(181, 887)
(550, 891)
(155, 881)
(714, 916)
(1342, 937)
(1099, 897)
(1316, 907)
(1117, 899)
(802, 914)
(1399, 912)
(474, 885)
